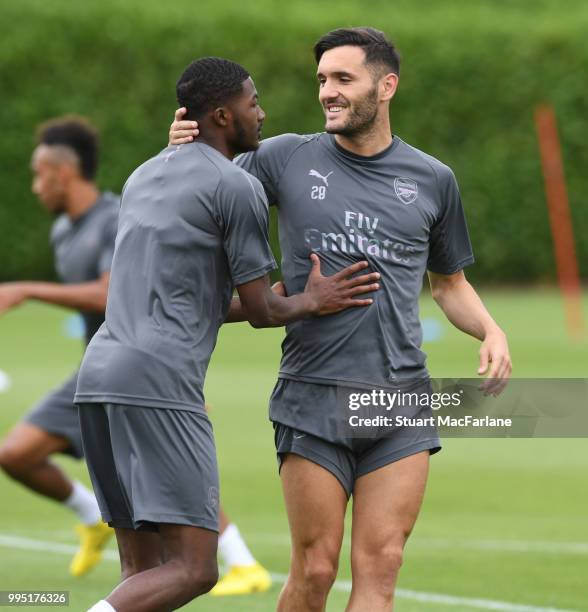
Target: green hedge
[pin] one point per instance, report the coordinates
(472, 73)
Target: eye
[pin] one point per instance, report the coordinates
(322, 82)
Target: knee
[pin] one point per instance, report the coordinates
(379, 565)
(320, 573)
(12, 460)
(200, 580)
(314, 569)
(391, 559)
(205, 580)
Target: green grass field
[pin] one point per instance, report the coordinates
(503, 520)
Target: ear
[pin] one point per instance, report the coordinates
(221, 116)
(388, 86)
(67, 171)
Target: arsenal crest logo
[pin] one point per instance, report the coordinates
(406, 189)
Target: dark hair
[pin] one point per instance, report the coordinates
(78, 134)
(378, 49)
(208, 83)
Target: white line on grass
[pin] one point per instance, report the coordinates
(10, 541)
(574, 548)
(522, 546)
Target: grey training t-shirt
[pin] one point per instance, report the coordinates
(400, 210)
(83, 248)
(192, 226)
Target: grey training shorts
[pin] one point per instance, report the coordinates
(302, 414)
(57, 415)
(151, 465)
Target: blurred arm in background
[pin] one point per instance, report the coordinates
(89, 296)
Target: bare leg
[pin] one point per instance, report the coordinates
(316, 503)
(24, 456)
(386, 504)
(138, 551)
(189, 569)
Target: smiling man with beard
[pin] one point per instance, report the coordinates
(354, 192)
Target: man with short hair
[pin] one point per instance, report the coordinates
(64, 166)
(358, 191)
(64, 144)
(192, 226)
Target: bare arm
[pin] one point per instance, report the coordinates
(261, 309)
(322, 295)
(90, 296)
(464, 308)
(236, 313)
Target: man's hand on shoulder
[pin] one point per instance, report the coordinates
(182, 131)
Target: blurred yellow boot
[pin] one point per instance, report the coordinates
(243, 579)
(93, 538)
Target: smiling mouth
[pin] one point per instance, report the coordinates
(334, 109)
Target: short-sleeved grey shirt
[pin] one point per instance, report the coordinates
(83, 248)
(400, 210)
(192, 226)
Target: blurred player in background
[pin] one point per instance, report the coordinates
(64, 165)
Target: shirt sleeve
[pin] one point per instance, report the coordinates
(267, 163)
(243, 217)
(450, 248)
(107, 244)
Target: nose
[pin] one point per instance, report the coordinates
(328, 91)
(260, 115)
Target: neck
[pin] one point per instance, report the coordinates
(371, 142)
(82, 196)
(220, 145)
(213, 138)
